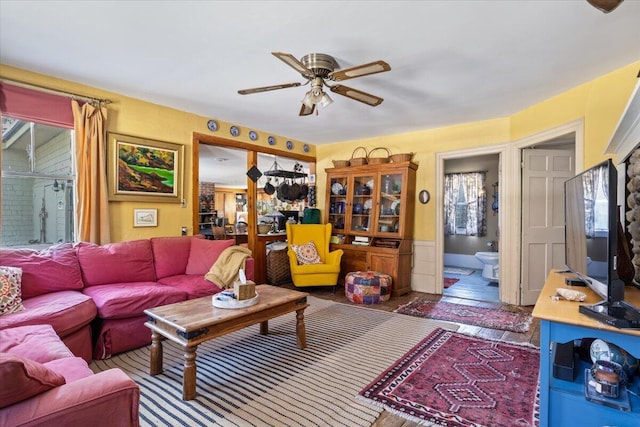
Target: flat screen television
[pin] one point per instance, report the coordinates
(591, 243)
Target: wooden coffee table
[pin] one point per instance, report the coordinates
(192, 322)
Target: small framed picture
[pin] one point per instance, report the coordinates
(145, 217)
(312, 178)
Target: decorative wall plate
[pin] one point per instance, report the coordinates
(289, 145)
(271, 140)
(253, 136)
(336, 188)
(305, 147)
(234, 131)
(212, 125)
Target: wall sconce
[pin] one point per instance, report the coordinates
(495, 205)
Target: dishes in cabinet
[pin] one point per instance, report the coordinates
(336, 188)
(370, 184)
(368, 204)
(395, 207)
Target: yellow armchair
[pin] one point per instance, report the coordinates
(323, 274)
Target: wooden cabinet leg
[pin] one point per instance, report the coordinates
(301, 332)
(155, 363)
(189, 374)
(264, 327)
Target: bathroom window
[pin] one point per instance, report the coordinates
(465, 204)
(596, 203)
(37, 184)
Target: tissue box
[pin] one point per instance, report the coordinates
(244, 291)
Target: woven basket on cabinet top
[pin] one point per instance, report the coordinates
(403, 157)
(359, 161)
(340, 163)
(378, 160)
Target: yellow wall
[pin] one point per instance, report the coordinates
(599, 102)
(130, 116)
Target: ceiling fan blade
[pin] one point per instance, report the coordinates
(306, 111)
(359, 71)
(358, 95)
(605, 6)
(268, 88)
(291, 61)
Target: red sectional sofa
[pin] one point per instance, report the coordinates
(44, 384)
(94, 296)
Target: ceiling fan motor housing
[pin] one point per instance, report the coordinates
(320, 63)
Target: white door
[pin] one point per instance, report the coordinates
(543, 175)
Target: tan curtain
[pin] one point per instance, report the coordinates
(92, 216)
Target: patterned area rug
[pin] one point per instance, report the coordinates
(448, 281)
(457, 380)
(478, 316)
(248, 379)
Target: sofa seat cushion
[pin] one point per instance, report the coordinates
(66, 311)
(23, 378)
(171, 254)
(53, 269)
(195, 286)
(118, 335)
(71, 368)
(121, 262)
(122, 300)
(39, 343)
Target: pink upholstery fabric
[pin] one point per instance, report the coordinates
(79, 342)
(116, 263)
(121, 300)
(39, 343)
(106, 399)
(71, 368)
(23, 378)
(170, 255)
(194, 285)
(204, 253)
(50, 270)
(118, 335)
(66, 311)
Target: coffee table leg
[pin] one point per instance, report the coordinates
(264, 327)
(155, 364)
(301, 331)
(189, 374)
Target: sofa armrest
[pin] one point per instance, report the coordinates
(108, 398)
(334, 257)
(250, 267)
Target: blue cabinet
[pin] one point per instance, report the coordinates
(562, 403)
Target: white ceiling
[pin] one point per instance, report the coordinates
(452, 61)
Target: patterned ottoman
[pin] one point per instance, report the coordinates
(367, 287)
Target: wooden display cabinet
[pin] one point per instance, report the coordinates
(370, 208)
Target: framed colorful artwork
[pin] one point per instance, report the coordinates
(142, 169)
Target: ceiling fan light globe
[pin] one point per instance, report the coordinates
(307, 101)
(326, 101)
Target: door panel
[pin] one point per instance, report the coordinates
(543, 175)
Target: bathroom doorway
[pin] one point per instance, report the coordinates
(471, 258)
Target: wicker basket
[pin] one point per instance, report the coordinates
(278, 271)
(379, 160)
(359, 161)
(340, 163)
(404, 157)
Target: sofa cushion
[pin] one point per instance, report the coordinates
(66, 311)
(35, 342)
(170, 255)
(121, 300)
(195, 286)
(23, 378)
(204, 253)
(70, 368)
(116, 262)
(10, 290)
(53, 269)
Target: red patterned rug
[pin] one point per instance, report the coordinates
(455, 380)
(478, 316)
(448, 281)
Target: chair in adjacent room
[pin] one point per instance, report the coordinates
(310, 260)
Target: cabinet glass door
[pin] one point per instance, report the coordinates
(362, 204)
(338, 203)
(390, 198)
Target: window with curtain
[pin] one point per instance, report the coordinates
(465, 204)
(38, 172)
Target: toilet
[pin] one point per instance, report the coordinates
(490, 261)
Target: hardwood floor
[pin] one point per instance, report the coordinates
(387, 419)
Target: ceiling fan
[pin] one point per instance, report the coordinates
(322, 70)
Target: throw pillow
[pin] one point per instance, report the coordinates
(10, 290)
(307, 253)
(24, 378)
